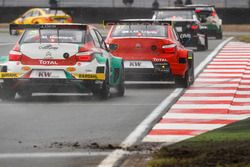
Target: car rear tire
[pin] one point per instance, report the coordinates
(8, 93)
(103, 92)
(219, 35)
(121, 85)
(188, 79)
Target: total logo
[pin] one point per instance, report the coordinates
(44, 62)
(159, 60)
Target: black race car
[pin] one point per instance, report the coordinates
(187, 25)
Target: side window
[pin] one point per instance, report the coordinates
(88, 38)
(95, 38)
(29, 14)
(36, 13)
(175, 35)
(101, 41)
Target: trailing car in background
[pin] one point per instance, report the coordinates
(60, 58)
(43, 15)
(151, 51)
(209, 18)
(186, 24)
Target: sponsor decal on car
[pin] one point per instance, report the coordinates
(98, 76)
(138, 64)
(9, 75)
(185, 36)
(48, 74)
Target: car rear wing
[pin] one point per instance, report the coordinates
(137, 22)
(16, 27)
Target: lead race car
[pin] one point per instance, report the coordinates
(151, 51)
(60, 58)
(185, 21)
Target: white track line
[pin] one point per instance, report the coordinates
(206, 116)
(180, 126)
(146, 125)
(164, 138)
(220, 98)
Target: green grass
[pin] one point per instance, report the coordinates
(225, 147)
(243, 38)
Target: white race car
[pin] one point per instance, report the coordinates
(60, 58)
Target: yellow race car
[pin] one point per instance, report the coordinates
(42, 15)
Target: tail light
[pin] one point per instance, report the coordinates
(197, 11)
(213, 14)
(84, 56)
(194, 27)
(15, 56)
(169, 48)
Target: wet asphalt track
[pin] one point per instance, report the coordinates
(75, 131)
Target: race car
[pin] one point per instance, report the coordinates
(60, 58)
(151, 51)
(187, 26)
(209, 19)
(42, 15)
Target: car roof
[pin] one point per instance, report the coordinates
(174, 8)
(49, 26)
(200, 5)
(137, 21)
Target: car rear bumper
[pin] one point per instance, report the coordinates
(53, 85)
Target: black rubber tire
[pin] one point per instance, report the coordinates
(7, 92)
(121, 85)
(188, 79)
(219, 35)
(103, 92)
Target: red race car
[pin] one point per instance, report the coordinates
(151, 51)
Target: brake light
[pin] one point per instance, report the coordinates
(84, 56)
(194, 27)
(15, 56)
(213, 13)
(197, 11)
(169, 48)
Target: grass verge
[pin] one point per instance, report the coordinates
(243, 38)
(225, 147)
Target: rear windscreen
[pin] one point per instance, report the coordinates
(54, 12)
(139, 31)
(171, 14)
(204, 12)
(53, 36)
